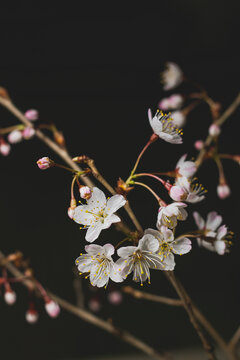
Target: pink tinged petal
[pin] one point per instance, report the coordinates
(223, 191)
(169, 262)
(198, 220)
(164, 104)
(213, 221)
(177, 193)
(182, 246)
(126, 251)
(97, 200)
(148, 243)
(188, 169)
(15, 136)
(109, 250)
(114, 203)
(181, 161)
(214, 130)
(150, 115)
(220, 247)
(82, 215)
(182, 214)
(93, 232)
(222, 231)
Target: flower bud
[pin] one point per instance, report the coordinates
(28, 133)
(115, 297)
(10, 297)
(214, 130)
(223, 191)
(164, 104)
(199, 144)
(45, 163)
(32, 115)
(177, 193)
(85, 192)
(175, 101)
(52, 308)
(94, 305)
(15, 136)
(5, 149)
(31, 316)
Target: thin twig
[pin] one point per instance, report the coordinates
(234, 340)
(94, 320)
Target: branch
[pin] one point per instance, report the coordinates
(234, 340)
(92, 319)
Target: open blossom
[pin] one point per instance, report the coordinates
(163, 126)
(179, 118)
(170, 214)
(185, 168)
(223, 191)
(168, 246)
(32, 114)
(15, 136)
(28, 133)
(175, 101)
(172, 76)
(216, 236)
(99, 263)
(186, 190)
(139, 259)
(98, 214)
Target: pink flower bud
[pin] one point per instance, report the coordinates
(5, 149)
(214, 130)
(85, 192)
(177, 193)
(175, 101)
(223, 191)
(199, 144)
(31, 114)
(28, 133)
(164, 104)
(52, 308)
(115, 297)
(10, 297)
(31, 316)
(15, 136)
(44, 163)
(94, 305)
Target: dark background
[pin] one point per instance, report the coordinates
(95, 73)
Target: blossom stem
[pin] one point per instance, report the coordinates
(163, 182)
(72, 187)
(222, 179)
(66, 168)
(159, 200)
(11, 128)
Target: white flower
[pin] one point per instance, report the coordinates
(179, 118)
(186, 190)
(139, 259)
(15, 136)
(168, 246)
(163, 126)
(99, 263)
(185, 168)
(216, 236)
(214, 130)
(173, 102)
(98, 214)
(168, 215)
(172, 76)
(10, 297)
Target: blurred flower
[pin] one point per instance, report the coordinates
(185, 168)
(5, 148)
(85, 192)
(214, 130)
(98, 214)
(45, 163)
(28, 133)
(52, 308)
(115, 297)
(163, 126)
(223, 191)
(175, 101)
(31, 316)
(168, 215)
(179, 118)
(172, 76)
(15, 136)
(94, 305)
(32, 115)
(199, 144)
(10, 297)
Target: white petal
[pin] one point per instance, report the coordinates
(98, 199)
(109, 220)
(154, 261)
(167, 234)
(198, 220)
(213, 220)
(109, 250)
(94, 249)
(82, 216)
(126, 251)
(148, 243)
(115, 275)
(222, 231)
(182, 214)
(182, 246)
(181, 161)
(156, 125)
(84, 263)
(114, 203)
(93, 232)
(220, 247)
(169, 262)
(153, 232)
(173, 139)
(99, 275)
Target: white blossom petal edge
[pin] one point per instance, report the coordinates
(98, 214)
(170, 214)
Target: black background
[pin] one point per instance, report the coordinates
(95, 73)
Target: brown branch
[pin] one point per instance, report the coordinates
(92, 319)
(230, 110)
(234, 341)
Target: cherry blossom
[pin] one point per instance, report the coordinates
(214, 130)
(162, 125)
(173, 102)
(223, 191)
(15, 136)
(172, 76)
(187, 190)
(32, 115)
(170, 214)
(179, 118)
(52, 308)
(185, 168)
(44, 163)
(99, 263)
(98, 214)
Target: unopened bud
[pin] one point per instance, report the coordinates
(115, 297)
(85, 192)
(45, 163)
(5, 149)
(214, 130)
(10, 297)
(94, 305)
(59, 138)
(32, 115)
(164, 104)
(52, 308)
(31, 316)
(223, 191)
(15, 136)
(28, 133)
(177, 193)
(199, 144)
